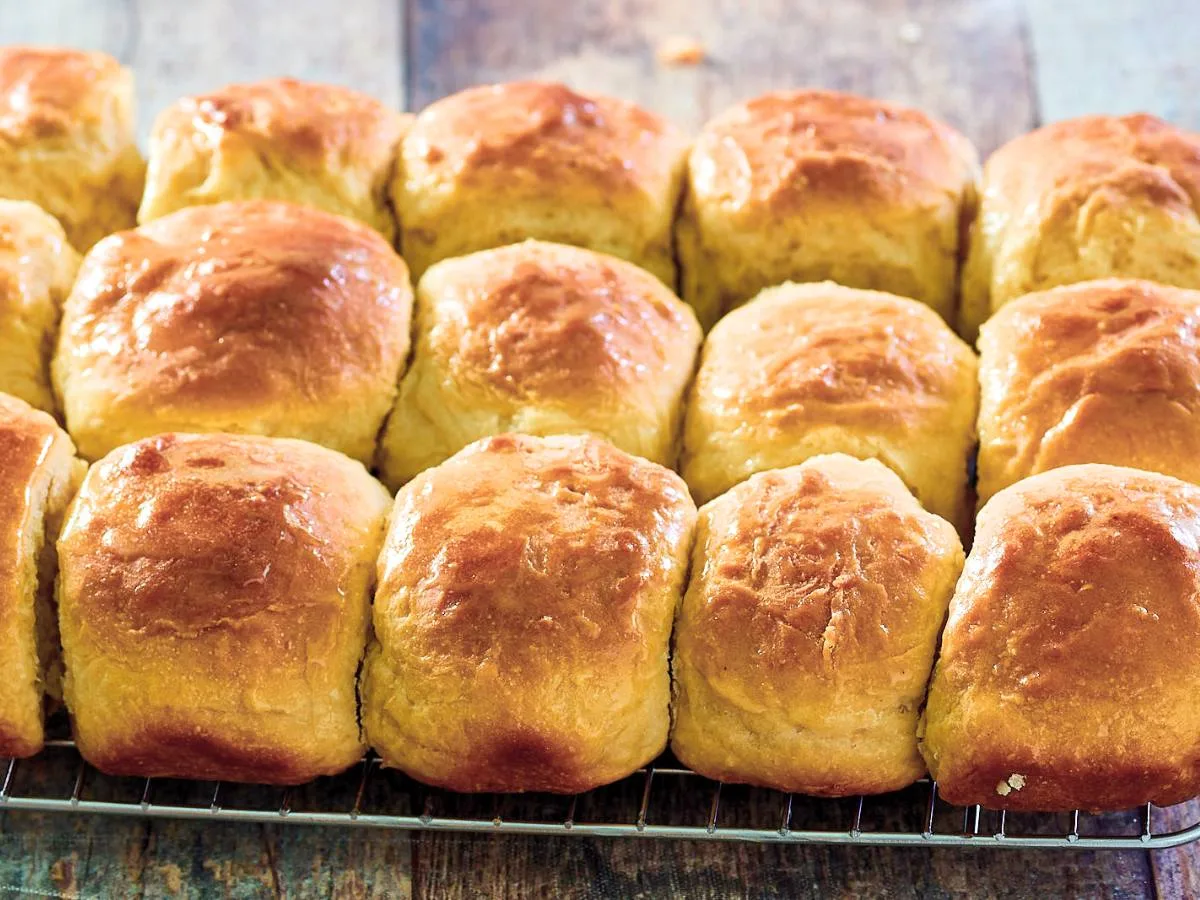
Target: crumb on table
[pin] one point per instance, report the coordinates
(680, 50)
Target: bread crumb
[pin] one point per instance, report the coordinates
(910, 33)
(1014, 782)
(680, 50)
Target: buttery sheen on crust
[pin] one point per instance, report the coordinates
(252, 317)
(808, 630)
(215, 598)
(1103, 371)
(496, 164)
(37, 267)
(280, 139)
(38, 475)
(1095, 197)
(526, 593)
(67, 138)
(543, 339)
(807, 369)
(1070, 663)
(816, 185)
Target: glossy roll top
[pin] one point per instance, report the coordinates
(214, 600)
(1094, 197)
(526, 595)
(816, 185)
(38, 476)
(1069, 664)
(496, 164)
(807, 634)
(1099, 372)
(67, 139)
(541, 338)
(256, 317)
(807, 369)
(312, 144)
(37, 269)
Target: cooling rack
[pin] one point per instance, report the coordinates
(660, 801)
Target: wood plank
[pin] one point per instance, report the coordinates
(1111, 56)
(56, 855)
(965, 60)
(1176, 872)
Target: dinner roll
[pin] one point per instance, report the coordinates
(1103, 371)
(67, 138)
(38, 475)
(807, 369)
(254, 317)
(808, 630)
(526, 594)
(815, 185)
(1070, 663)
(215, 600)
(1087, 198)
(37, 266)
(542, 339)
(280, 139)
(496, 164)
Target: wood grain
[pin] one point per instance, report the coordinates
(965, 60)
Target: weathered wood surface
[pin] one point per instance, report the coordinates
(993, 67)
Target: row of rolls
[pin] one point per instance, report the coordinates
(231, 592)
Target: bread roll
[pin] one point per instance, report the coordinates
(541, 339)
(816, 185)
(257, 317)
(526, 593)
(38, 475)
(493, 165)
(215, 599)
(1095, 197)
(808, 630)
(807, 369)
(67, 138)
(37, 266)
(1070, 661)
(280, 139)
(1103, 371)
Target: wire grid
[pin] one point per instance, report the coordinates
(660, 801)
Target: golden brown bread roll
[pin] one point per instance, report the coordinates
(1103, 371)
(808, 630)
(816, 185)
(215, 600)
(38, 475)
(494, 165)
(256, 317)
(37, 267)
(807, 369)
(67, 138)
(526, 593)
(1070, 662)
(541, 338)
(1088, 198)
(280, 139)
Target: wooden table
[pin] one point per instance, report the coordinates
(993, 67)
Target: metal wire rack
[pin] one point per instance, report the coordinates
(661, 801)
